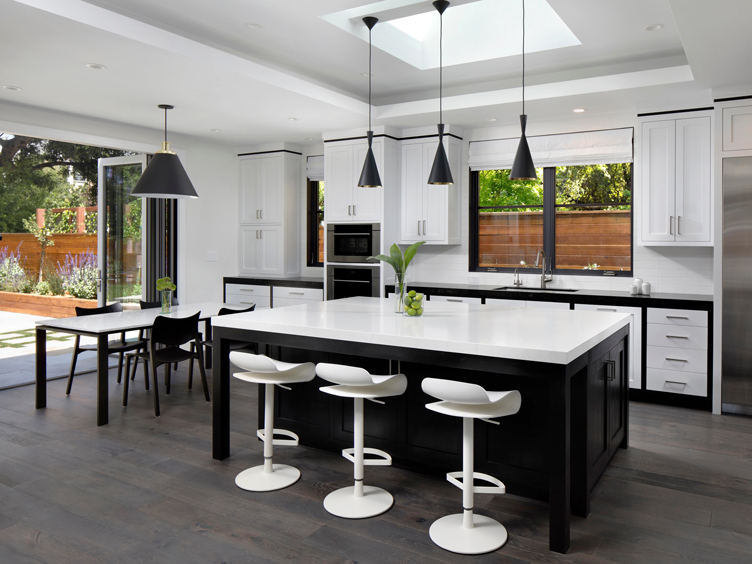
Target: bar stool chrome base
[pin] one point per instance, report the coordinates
(256, 480)
(486, 535)
(343, 502)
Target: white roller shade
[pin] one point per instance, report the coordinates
(568, 149)
(315, 168)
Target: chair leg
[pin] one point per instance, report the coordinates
(168, 369)
(190, 368)
(73, 365)
(156, 388)
(203, 372)
(127, 380)
(146, 374)
(120, 367)
(135, 365)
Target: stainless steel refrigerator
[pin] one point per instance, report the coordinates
(736, 393)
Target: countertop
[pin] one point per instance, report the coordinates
(554, 336)
(296, 282)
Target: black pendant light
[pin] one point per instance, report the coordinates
(165, 176)
(523, 167)
(440, 171)
(369, 176)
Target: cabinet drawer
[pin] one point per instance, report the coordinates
(313, 294)
(678, 317)
(247, 290)
(262, 302)
(681, 337)
(510, 303)
(547, 305)
(455, 299)
(284, 302)
(678, 360)
(689, 383)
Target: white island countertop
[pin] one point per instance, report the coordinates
(533, 334)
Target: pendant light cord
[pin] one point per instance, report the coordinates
(370, 47)
(523, 57)
(165, 125)
(441, 67)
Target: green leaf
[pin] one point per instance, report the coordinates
(397, 258)
(410, 252)
(384, 258)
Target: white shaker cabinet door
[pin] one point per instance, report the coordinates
(250, 249)
(366, 201)
(658, 180)
(272, 251)
(413, 182)
(338, 186)
(270, 195)
(249, 180)
(693, 179)
(434, 199)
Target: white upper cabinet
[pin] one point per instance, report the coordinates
(429, 213)
(737, 129)
(344, 201)
(676, 182)
(261, 197)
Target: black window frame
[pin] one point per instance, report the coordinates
(549, 228)
(312, 223)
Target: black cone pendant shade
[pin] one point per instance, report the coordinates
(440, 171)
(369, 176)
(523, 167)
(165, 176)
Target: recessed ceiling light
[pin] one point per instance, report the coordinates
(215, 130)
(578, 110)
(95, 66)
(490, 119)
(11, 87)
(309, 139)
(654, 27)
(251, 25)
(293, 119)
(366, 75)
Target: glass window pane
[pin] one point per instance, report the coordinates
(594, 217)
(510, 219)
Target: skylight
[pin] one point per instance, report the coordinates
(473, 31)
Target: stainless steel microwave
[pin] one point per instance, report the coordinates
(352, 242)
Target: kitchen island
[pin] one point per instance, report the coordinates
(568, 365)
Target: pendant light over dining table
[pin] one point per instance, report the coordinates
(440, 171)
(523, 167)
(164, 176)
(369, 176)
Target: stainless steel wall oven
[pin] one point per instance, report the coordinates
(352, 242)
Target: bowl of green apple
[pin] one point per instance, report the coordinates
(414, 304)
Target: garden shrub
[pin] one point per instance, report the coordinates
(79, 274)
(43, 288)
(13, 275)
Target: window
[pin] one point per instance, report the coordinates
(315, 226)
(581, 216)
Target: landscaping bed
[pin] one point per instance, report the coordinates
(47, 306)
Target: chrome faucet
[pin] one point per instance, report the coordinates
(544, 278)
(517, 280)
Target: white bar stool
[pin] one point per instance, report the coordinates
(265, 370)
(465, 533)
(359, 501)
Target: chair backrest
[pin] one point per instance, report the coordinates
(347, 375)
(174, 331)
(253, 362)
(112, 308)
(455, 392)
(230, 311)
(154, 305)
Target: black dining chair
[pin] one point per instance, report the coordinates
(143, 334)
(169, 333)
(120, 346)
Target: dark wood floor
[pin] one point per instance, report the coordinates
(146, 490)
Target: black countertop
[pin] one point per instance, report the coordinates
(296, 282)
(600, 297)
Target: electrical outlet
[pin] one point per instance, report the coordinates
(473, 279)
(211, 256)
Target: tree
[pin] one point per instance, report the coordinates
(496, 189)
(43, 235)
(595, 184)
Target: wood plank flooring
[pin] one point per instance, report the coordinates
(147, 490)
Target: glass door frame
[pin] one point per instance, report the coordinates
(102, 220)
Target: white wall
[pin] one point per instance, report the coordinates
(687, 270)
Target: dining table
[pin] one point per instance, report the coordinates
(100, 327)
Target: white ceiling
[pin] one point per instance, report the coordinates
(219, 74)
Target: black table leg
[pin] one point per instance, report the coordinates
(102, 379)
(208, 337)
(221, 403)
(41, 368)
(625, 391)
(559, 407)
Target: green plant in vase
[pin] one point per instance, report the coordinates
(165, 287)
(400, 263)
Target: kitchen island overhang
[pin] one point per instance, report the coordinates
(569, 366)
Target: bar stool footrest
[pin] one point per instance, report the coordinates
(497, 488)
(292, 441)
(384, 460)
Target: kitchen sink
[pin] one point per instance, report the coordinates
(523, 289)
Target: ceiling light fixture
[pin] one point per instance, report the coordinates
(251, 25)
(490, 119)
(95, 66)
(369, 176)
(164, 177)
(440, 171)
(578, 110)
(366, 74)
(11, 87)
(654, 27)
(523, 167)
(293, 119)
(215, 130)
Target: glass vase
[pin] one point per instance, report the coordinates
(166, 301)
(400, 291)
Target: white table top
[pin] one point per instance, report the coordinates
(545, 335)
(130, 320)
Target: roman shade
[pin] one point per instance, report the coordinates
(567, 149)
(315, 168)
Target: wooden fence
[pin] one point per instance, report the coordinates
(65, 243)
(582, 238)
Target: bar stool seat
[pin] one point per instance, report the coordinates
(466, 533)
(360, 501)
(264, 370)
